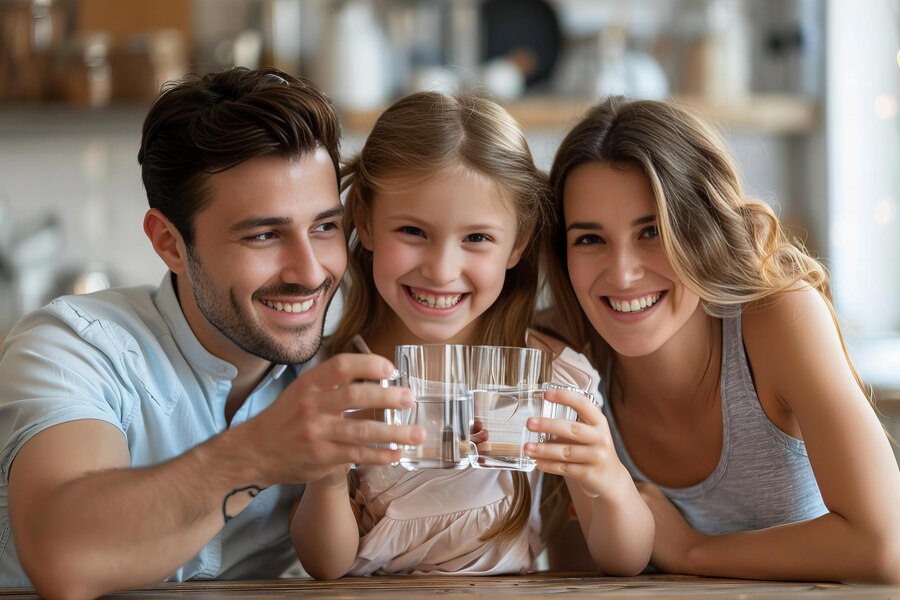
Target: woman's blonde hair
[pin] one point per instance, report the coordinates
(414, 139)
(728, 249)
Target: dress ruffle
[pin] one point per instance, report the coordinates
(430, 521)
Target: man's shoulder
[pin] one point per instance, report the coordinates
(111, 320)
(128, 307)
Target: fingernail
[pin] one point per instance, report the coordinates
(533, 423)
(418, 435)
(407, 397)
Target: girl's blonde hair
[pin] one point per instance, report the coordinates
(414, 139)
(728, 249)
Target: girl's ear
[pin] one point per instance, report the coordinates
(166, 240)
(516, 255)
(361, 222)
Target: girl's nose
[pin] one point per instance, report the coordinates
(442, 265)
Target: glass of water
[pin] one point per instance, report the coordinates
(436, 375)
(505, 385)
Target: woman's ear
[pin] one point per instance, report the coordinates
(166, 240)
(361, 222)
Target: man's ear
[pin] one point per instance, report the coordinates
(166, 240)
(361, 222)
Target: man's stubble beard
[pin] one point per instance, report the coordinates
(244, 330)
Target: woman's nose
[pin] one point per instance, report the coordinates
(625, 268)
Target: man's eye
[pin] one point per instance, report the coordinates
(410, 230)
(262, 237)
(325, 227)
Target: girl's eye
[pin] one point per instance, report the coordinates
(477, 238)
(410, 230)
(587, 239)
(650, 232)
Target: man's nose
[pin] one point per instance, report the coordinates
(301, 265)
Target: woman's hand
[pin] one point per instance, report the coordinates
(674, 536)
(582, 451)
(617, 525)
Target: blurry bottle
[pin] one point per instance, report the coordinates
(727, 54)
(717, 65)
(356, 66)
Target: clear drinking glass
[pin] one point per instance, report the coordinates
(552, 410)
(506, 390)
(436, 375)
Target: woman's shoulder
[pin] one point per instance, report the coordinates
(793, 343)
(786, 314)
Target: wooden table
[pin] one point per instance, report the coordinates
(567, 586)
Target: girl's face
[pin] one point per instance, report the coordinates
(441, 248)
(617, 264)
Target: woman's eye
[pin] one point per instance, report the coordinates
(587, 239)
(650, 232)
(477, 238)
(410, 230)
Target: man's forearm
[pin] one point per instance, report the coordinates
(125, 528)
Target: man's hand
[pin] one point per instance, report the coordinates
(302, 437)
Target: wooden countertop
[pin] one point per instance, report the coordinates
(570, 586)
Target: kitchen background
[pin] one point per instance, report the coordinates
(805, 91)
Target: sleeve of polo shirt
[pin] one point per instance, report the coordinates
(50, 373)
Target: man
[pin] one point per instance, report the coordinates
(157, 433)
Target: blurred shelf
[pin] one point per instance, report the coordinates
(773, 114)
(764, 114)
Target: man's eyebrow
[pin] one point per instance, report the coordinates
(597, 226)
(333, 212)
(255, 222)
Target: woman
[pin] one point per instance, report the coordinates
(731, 397)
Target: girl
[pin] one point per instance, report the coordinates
(446, 203)
(730, 391)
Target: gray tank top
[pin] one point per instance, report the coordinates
(763, 477)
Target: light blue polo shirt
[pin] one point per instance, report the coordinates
(128, 357)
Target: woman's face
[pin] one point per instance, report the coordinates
(617, 264)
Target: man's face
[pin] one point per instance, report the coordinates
(267, 255)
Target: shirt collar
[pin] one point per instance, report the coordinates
(198, 356)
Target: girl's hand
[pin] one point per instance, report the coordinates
(674, 536)
(582, 450)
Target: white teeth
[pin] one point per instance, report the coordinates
(290, 307)
(635, 305)
(432, 301)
